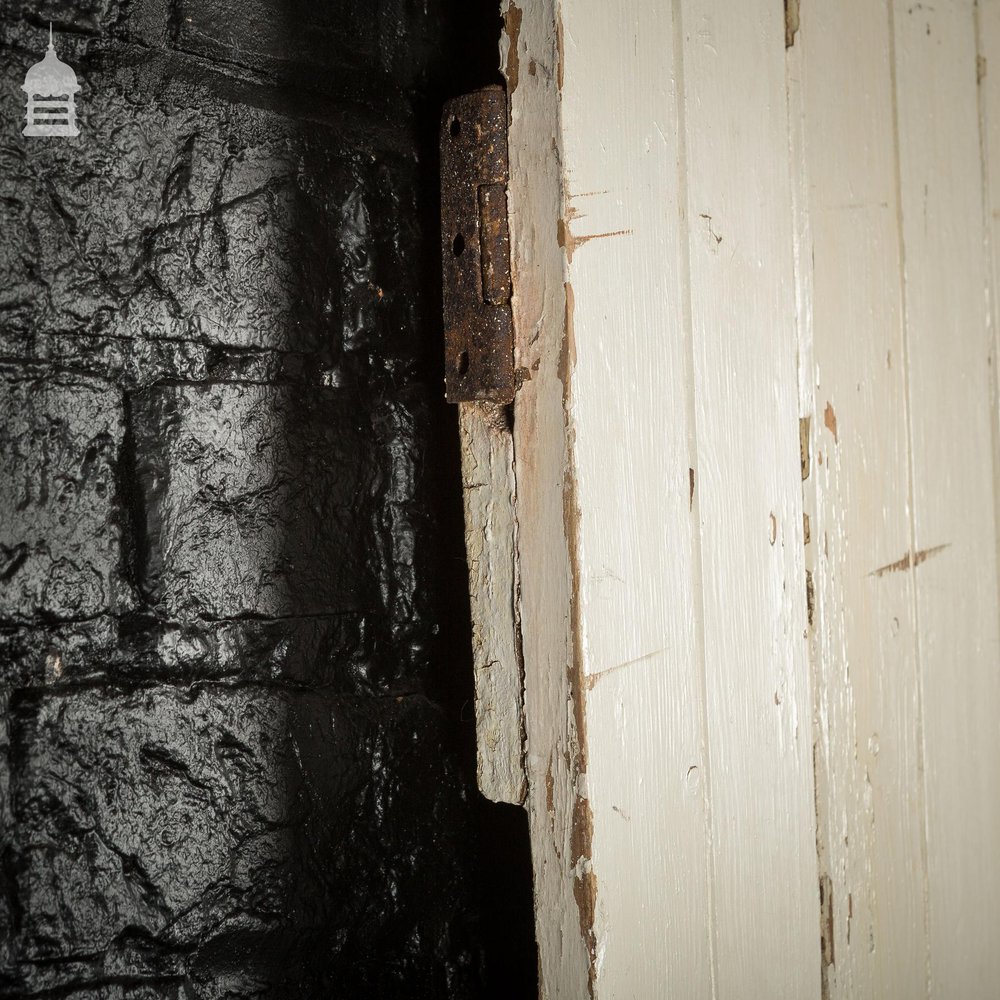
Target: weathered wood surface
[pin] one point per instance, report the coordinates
(954, 534)
(637, 568)
(854, 393)
(900, 397)
(749, 492)
(761, 686)
(490, 539)
(555, 761)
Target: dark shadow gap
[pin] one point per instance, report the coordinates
(504, 874)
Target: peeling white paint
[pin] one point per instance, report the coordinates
(490, 540)
(764, 680)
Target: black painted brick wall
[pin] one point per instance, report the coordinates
(221, 772)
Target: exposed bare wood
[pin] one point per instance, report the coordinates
(555, 761)
(490, 538)
(867, 726)
(756, 456)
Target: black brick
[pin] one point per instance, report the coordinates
(60, 538)
(252, 496)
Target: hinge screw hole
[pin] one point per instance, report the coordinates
(455, 127)
(462, 363)
(458, 245)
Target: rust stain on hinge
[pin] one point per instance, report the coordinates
(475, 249)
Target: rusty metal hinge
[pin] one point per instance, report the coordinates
(475, 249)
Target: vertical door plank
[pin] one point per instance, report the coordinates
(554, 757)
(636, 573)
(869, 797)
(953, 558)
(989, 132)
(749, 497)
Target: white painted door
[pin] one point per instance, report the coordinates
(755, 455)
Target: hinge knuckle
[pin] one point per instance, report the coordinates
(475, 249)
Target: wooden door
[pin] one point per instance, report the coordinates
(754, 455)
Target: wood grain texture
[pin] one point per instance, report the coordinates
(869, 794)
(988, 23)
(555, 761)
(487, 449)
(639, 613)
(951, 441)
(684, 427)
(762, 746)
(750, 500)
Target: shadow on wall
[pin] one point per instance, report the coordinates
(239, 758)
